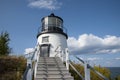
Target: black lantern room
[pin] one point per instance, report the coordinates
(52, 24)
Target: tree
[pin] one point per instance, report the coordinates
(4, 44)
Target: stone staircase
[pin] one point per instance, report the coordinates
(52, 68)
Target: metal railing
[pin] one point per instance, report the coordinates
(87, 67)
(76, 70)
(57, 50)
(32, 65)
(64, 56)
(26, 72)
(91, 68)
(52, 28)
(63, 53)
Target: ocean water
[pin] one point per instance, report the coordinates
(115, 71)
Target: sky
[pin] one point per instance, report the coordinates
(93, 26)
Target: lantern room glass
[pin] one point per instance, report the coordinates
(55, 22)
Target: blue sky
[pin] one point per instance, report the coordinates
(93, 26)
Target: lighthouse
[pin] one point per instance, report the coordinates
(52, 36)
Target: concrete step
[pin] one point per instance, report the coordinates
(53, 76)
(49, 58)
(52, 72)
(54, 79)
(49, 61)
(50, 65)
(51, 68)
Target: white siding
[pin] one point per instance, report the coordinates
(55, 40)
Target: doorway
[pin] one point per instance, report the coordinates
(44, 50)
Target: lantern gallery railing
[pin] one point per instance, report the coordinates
(52, 28)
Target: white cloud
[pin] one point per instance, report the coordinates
(29, 50)
(93, 59)
(117, 58)
(45, 4)
(89, 43)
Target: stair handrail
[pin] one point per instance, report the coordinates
(33, 62)
(33, 54)
(67, 58)
(63, 53)
(26, 72)
(29, 66)
(32, 65)
(98, 73)
(76, 70)
(58, 51)
(36, 60)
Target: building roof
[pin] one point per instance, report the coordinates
(52, 15)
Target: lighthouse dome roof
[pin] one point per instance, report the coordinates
(52, 15)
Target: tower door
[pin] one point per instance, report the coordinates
(44, 50)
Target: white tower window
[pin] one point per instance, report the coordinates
(45, 39)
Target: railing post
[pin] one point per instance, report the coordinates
(60, 52)
(62, 57)
(29, 73)
(30, 76)
(36, 60)
(87, 71)
(67, 58)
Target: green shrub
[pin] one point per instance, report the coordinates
(117, 78)
(12, 67)
(80, 68)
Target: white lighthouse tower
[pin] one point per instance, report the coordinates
(52, 36)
